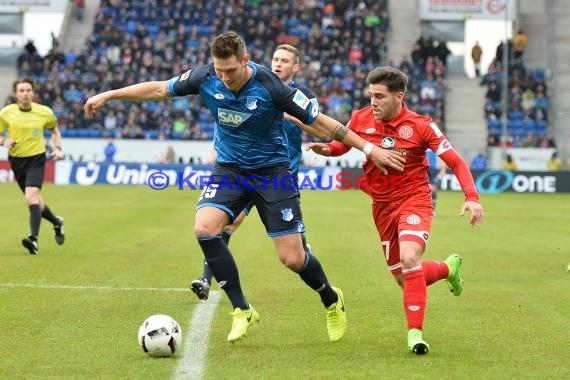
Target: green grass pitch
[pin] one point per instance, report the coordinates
(125, 244)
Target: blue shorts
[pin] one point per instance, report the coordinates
(272, 190)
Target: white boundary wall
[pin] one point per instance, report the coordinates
(152, 151)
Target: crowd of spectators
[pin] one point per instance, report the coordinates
(142, 40)
(527, 99)
(427, 73)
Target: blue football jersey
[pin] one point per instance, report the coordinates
(295, 134)
(432, 159)
(249, 129)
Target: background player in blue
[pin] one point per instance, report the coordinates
(247, 102)
(285, 64)
(436, 172)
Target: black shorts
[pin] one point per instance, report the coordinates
(247, 209)
(29, 171)
(272, 190)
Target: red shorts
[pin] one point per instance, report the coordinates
(408, 219)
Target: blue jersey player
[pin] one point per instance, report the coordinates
(248, 102)
(285, 64)
(435, 173)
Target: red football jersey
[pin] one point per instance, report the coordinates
(411, 134)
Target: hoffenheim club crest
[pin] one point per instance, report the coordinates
(251, 103)
(287, 214)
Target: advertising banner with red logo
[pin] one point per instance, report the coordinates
(457, 10)
(7, 175)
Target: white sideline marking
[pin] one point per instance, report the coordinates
(196, 340)
(89, 287)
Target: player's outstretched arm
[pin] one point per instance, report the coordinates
(476, 211)
(380, 157)
(307, 128)
(141, 92)
(463, 174)
(319, 148)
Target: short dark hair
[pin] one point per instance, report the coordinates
(24, 80)
(392, 78)
(228, 44)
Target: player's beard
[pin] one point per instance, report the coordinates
(392, 110)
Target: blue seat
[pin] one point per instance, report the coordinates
(192, 43)
(515, 124)
(83, 132)
(539, 75)
(152, 134)
(209, 134)
(518, 132)
(541, 126)
(95, 133)
(205, 117)
(515, 115)
(515, 128)
(529, 126)
(72, 132)
(152, 29)
(494, 124)
(206, 126)
(204, 30)
(130, 27)
(176, 135)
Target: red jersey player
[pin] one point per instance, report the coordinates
(402, 206)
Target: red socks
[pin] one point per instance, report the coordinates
(434, 271)
(415, 295)
(415, 290)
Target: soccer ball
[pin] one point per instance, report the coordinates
(160, 335)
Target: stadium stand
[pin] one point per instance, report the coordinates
(527, 103)
(136, 41)
(426, 78)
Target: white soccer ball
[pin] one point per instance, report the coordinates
(160, 335)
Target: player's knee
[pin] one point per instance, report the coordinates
(294, 265)
(293, 260)
(32, 195)
(206, 229)
(210, 222)
(410, 260)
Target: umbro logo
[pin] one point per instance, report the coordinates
(414, 308)
(369, 130)
(219, 96)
